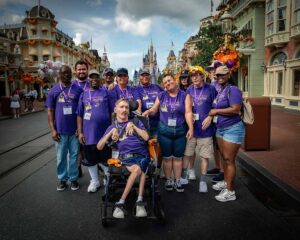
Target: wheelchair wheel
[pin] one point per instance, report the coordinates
(104, 215)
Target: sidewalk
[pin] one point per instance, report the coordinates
(38, 106)
(280, 165)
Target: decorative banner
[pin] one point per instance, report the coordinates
(32, 42)
(46, 42)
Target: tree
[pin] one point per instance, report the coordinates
(210, 38)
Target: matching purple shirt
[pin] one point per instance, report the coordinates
(172, 108)
(148, 95)
(84, 85)
(129, 144)
(64, 100)
(226, 97)
(95, 110)
(202, 99)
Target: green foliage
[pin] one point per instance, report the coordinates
(210, 40)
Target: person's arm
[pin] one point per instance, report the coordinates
(152, 110)
(55, 136)
(189, 117)
(113, 133)
(131, 127)
(79, 130)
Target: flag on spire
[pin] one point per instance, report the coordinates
(211, 6)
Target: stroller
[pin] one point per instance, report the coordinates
(117, 177)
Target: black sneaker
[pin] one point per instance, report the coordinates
(61, 186)
(79, 171)
(218, 178)
(177, 186)
(213, 172)
(74, 185)
(169, 185)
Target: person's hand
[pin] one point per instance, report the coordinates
(206, 122)
(129, 129)
(114, 135)
(146, 113)
(55, 136)
(189, 134)
(111, 86)
(212, 112)
(76, 133)
(81, 138)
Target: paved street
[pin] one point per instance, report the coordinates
(31, 208)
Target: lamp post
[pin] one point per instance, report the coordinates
(226, 21)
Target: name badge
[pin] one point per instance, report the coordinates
(67, 110)
(172, 122)
(87, 116)
(215, 119)
(149, 105)
(196, 116)
(88, 107)
(145, 97)
(164, 108)
(115, 154)
(61, 99)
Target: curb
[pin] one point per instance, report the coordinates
(22, 114)
(273, 183)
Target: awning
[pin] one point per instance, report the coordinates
(247, 26)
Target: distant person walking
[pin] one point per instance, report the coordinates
(62, 103)
(15, 104)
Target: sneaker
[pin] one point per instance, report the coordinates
(184, 181)
(213, 172)
(169, 185)
(74, 185)
(220, 186)
(203, 187)
(61, 186)
(192, 174)
(93, 187)
(225, 195)
(177, 186)
(119, 211)
(140, 210)
(218, 178)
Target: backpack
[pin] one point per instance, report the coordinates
(247, 115)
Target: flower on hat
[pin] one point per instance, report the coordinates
(196, 69)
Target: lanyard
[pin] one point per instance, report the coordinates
(66, 97)
(124, 92)
(197, 98)
(120, 128)
(221, 93)
(173, 104)
(79, 84)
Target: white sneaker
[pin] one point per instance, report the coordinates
(203, 187)
(184, 181)
(220, 186)
(140, 211)
(93, 187)
(225, 196)
(192, 174)
(118, 213)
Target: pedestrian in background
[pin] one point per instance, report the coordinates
(230, 131)
(184, 80)
(15, 104)
(62, 103)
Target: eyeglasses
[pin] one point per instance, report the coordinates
(109, 74)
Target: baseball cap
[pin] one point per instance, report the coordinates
(122, 71)
(222, 70)
(94, 71)
(184, 73)
(108, 70)
(214, 65)
(144, 71)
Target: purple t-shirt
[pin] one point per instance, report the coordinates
(148, 95)
(84, 85)
(94, 109)
(172, 109)
(226, 97)
(129, 93)
(129, 144)
(202, 98)
(65, 101)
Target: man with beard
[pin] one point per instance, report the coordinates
(62, 102)
(93, 118)
(81, 71)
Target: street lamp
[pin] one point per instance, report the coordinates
(226, 21)
(263, 67)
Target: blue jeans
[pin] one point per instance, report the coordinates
(234, 133)
(172, 140)
(68, 144)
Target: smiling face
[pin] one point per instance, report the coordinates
(222, 79)
(122, 80)
(197, 79)
(122, 110)
(109, 78)
(81, 71)
(95, 81)
(145, 79)
(169, 83)
(65, 74)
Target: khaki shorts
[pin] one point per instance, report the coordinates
(205, 145)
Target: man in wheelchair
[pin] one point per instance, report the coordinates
(130, 139)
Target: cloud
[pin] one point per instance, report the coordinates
(4, 3)
(77, 26)
(101, 21)
(185, 12)
(94, 2)
(126, 55)
(77, 39)
(11, 18)
(126, 24)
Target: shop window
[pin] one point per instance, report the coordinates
(33, 32)
(279, 82)
(296, 83)
(281, 15)
(35, 58)
(297, 12)
(46, 57)
(278, 58)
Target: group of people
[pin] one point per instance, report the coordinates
(87, 112)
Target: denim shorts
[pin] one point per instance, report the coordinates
(141, 161)
(234, 133)
(172, 140)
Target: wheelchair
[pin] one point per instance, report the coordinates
(116, 180)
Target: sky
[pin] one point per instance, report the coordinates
(124, 27)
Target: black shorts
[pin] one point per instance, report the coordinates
(92, 156)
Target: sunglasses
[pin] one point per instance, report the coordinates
(221, 75)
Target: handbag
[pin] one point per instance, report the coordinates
(247, 115)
